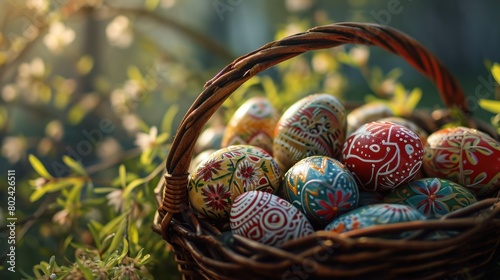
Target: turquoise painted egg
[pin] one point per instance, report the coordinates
(314, 125)
(433, 197)
(465, 156)
(321, 187)
(253, 123)
(227, 173)
(268, 219)
(374, 214)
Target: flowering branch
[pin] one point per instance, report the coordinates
(195, 35)
(70, 8)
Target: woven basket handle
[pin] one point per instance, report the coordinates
(219, 88)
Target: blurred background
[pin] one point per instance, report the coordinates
(91, 93)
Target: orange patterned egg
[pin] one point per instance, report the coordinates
(314, 125)
(465, 156)
(252, 124)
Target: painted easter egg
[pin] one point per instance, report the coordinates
(227, 173)
(408, 124)
(383, 155)
(199, 158)
(374, 214)
(366, 113)
(314, 125)
(268, 219)
(466, 156)
(252, 124)
(322, 188)
(433, 197)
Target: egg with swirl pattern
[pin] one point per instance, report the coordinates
(314, 125)
(268, 219)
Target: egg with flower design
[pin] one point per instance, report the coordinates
(433, 197)
(383, 155)
(225, 174)
(322, 188)
(268, 219)
(253, 123)
(465, 156)
(373, 215)
(314, 125)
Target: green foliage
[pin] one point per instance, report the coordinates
(493, 106)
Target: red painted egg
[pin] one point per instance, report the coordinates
(465, 156)
(410, 125)
(383, 155)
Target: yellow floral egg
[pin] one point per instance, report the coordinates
(227, 173)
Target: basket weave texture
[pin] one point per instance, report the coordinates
(203, 252)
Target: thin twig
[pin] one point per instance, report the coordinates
(70, 8)
(195, 35)
(30, 221)
(98, 167)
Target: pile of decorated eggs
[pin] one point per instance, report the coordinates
(279, 177)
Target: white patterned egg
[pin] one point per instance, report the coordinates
(314, 125)
(268, 219)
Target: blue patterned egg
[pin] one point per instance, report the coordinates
(225, 174)
(374, 214)
(268, 219)
(433, 197)
(322, 188)
(314, 125)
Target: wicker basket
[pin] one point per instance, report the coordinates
(203, 252)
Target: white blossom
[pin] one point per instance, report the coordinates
(59, 37)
